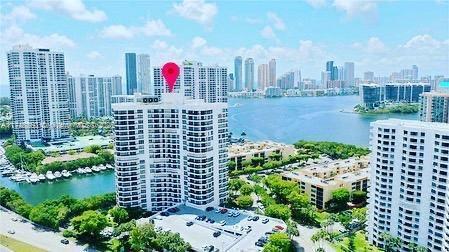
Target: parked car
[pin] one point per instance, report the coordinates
(173, 210)
(189, 223)
(11, 232)
(217, 210)
(265, 221)
(14, 219)
(202, 217)
(255, 218)
(223, 222)
(165, 214)
(65, 241)
(236, 214)
(223, 210)
(210, 220)
(208, 209)
(217, 233)
(268, 233)
(250, 218)
(259, 244)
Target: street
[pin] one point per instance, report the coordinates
(24, 231)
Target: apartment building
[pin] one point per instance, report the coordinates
(435, 107)
(408, 195)
(170, 150)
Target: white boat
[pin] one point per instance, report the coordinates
(66, 174)
(41, 177)
(102, 167)
(34, 178)
(19, 178)
(57, 174)
(95, 169)
(49, 175)
(88, 170)
(80, 171)
(109, 166)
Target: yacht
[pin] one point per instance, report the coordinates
(95, 168)
(57, 174)
(80, 171)
(49, 175)
(102, 167)
(66, 174)
(41, 177)
(88, 170)
(34, 178)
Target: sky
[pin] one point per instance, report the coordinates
(380, 36)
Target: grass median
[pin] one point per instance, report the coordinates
(18, 246)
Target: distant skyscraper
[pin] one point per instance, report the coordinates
(297, 83)
(330, 69)
(39, 100)
(349, 74)
(368, 76)
(90, 96)
(249, 74)
(169, 152)
(408, 195)
(415, 72)
(209, 83)
(238, 73)
(435, 107)
(144, 74)
(262, 76)
(231, 86)
(131, 73)
(272, 72)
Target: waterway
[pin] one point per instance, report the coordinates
(279, 119)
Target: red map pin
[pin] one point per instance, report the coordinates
(170, 71)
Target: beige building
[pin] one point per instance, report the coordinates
(241, 152)
(318, 181)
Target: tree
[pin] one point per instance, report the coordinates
(246, 189)
(278, 242)
(413, 247)
(93, 149)
(275, 156)
(231, 165)
(278, 211)
(280, 188)
(257, 161)
(391, 243)
(358, 197)
(359, 214)
(89, 225)
(246, 163)
(340, 198)
(244, 201)
(143, 238)
(292, 229)
(167, 241)
(118, 214)
(235, 184)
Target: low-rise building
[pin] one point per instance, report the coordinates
(245, 151)
(318, 181)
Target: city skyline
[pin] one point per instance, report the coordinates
(194, 30)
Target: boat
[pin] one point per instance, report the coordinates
(109, 166)
(49, 175)
(57, 174)
(19, 178)
(34, 178)
(66, 174)
(80, 171)
(95, 169)
(7, 173)
(102, 167)
(88, 170)
(41, 177)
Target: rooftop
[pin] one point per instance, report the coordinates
(76, 143)
(411, 123)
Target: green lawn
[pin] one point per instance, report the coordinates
(18, 246)
(360, 244)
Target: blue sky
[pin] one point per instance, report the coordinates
(383, 36)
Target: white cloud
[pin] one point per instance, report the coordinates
(14, 35)
(18, 13)
(355, 7)
(276, 21)
(159, 45)
(150, 28)
(268, 33)
(93, 55)
(197, 10)
(155, 28)
(198, 42)
(423, 42)
(117, 32)
(74, 8)
(316, 3)
(373, 45)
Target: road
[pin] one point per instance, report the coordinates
(24, 231)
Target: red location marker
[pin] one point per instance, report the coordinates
(170, 71)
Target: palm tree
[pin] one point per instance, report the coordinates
(391, 243)
(292, 229)
(413, 247)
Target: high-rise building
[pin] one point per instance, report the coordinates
(209, 83)
(272, 72)
(90, 96)
(144, 74)
(249, 74)
(349, 74)
(330, 67)
(171, 151)
(297, 83)
(263, 76)
(131, 73)
(287, 80)
(408, 195)
(238, 73)
(231, 86)
(368, 76)
(435, 107)
(415, 72)
(39, 102)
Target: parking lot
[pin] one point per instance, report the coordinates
(235, 234)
